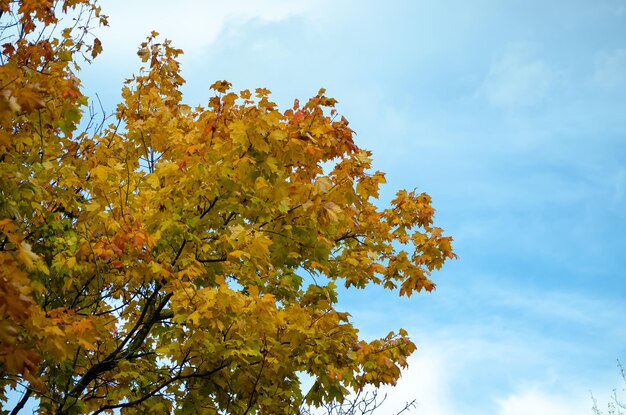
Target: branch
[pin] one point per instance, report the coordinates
(220, 259)
(180, 251)
(140, 331)
(159, 388)
(208, 209)
(256, 383)
(22, 402)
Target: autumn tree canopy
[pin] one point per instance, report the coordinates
(185, 259)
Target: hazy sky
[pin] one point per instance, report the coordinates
(511, 114)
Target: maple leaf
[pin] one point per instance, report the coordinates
(8, 49)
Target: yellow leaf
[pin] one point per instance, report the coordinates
(153, 181)
(26, 256)
(253, 290)
(71, 262)
(85, 343)
(238, 254)
(53, 330)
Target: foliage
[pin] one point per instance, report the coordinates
(617, 406)
(185, 259)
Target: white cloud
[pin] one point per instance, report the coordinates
(515, 358)
(517, 79)
(426, 382)
(454, 373)
(192, 25)
(537, 402)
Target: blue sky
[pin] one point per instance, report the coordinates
(511, 114)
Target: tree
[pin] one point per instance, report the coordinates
(185, 259)
(617, 406)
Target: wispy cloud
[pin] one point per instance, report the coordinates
(539, 402)
(619, 188)
(610, 70)
(559, 306)
(193, 25)
(517, 78)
